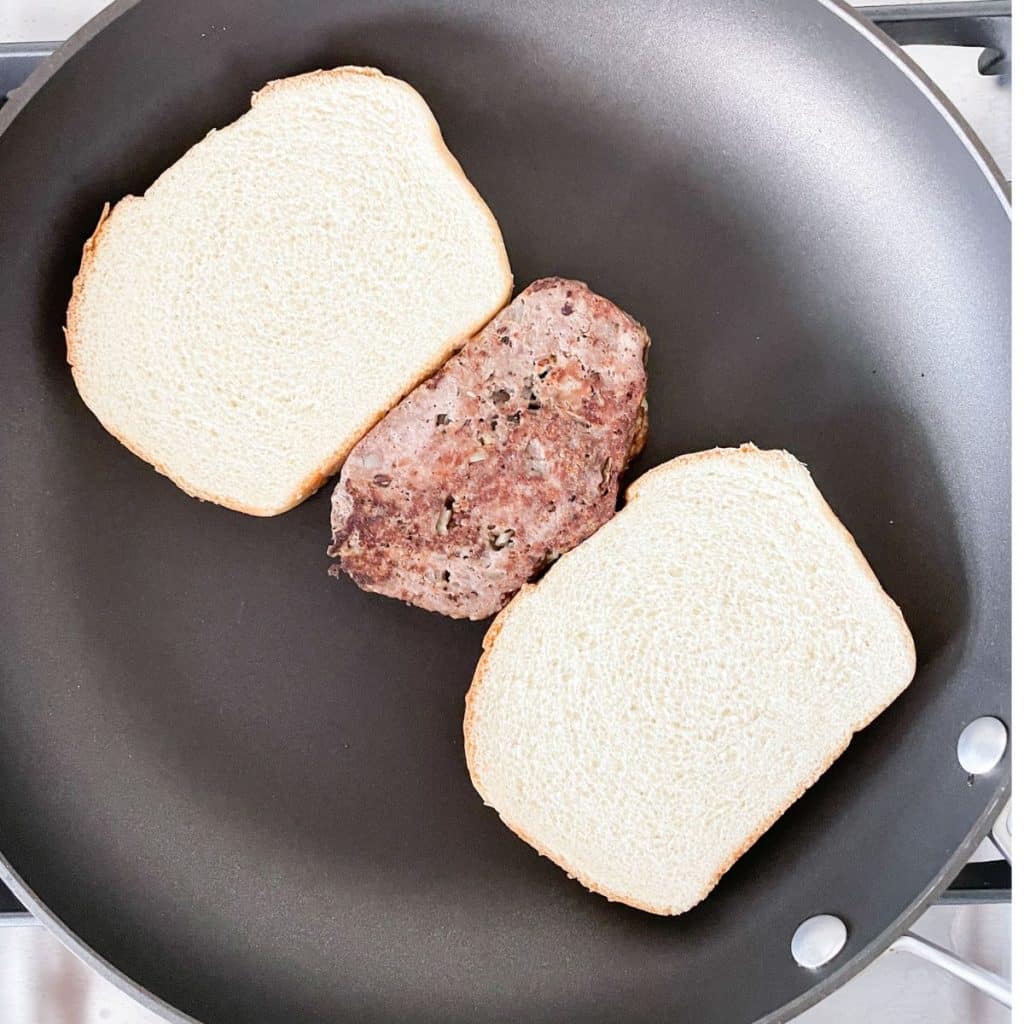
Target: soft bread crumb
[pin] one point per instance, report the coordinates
(657, 701)
(281, 286)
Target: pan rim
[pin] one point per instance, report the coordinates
(846, 13)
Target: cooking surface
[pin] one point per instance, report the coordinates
(43, 979)
(42, 983)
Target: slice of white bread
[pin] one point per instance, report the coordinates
(649, 708)
(281, 286)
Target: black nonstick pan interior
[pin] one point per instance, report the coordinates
(241, 783)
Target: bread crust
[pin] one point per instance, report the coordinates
(632, 492)
(314, 480)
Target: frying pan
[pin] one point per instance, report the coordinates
(237, 786)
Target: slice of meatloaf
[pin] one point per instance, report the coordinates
(508, 456)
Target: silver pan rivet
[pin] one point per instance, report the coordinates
(818, 940)
(981, 745)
